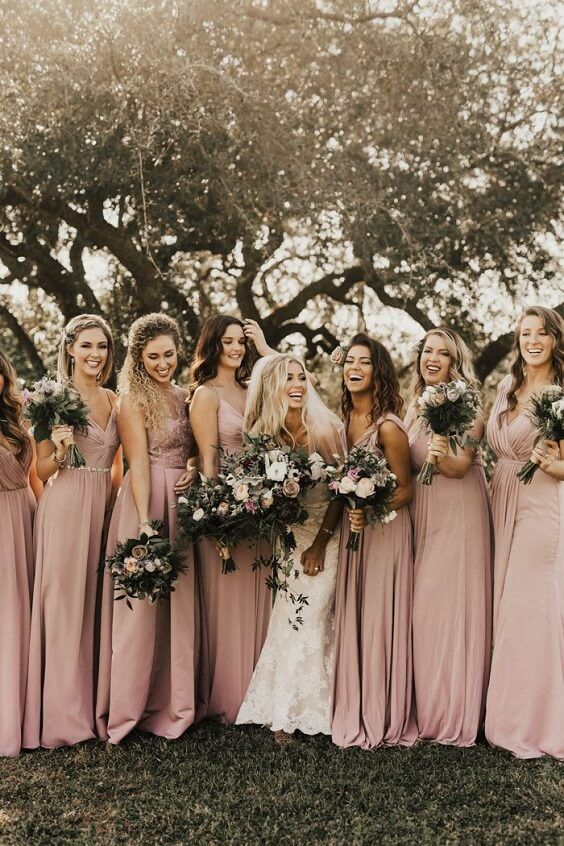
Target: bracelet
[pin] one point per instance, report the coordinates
(58, 461)
(327, 531)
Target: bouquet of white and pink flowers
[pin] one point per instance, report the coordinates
(257, 496)
(364, 481)
(546, 413)
(448, 409)
(145, 568)
(53, 403)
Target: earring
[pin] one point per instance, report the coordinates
(72, 366)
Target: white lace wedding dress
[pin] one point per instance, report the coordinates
(291, 686)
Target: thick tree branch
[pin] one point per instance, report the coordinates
(23, 339)
(320, 338)
(403, 304)
(316, 14)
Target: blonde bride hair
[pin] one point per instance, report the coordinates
(267, 403)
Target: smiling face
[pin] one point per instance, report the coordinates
(160, 358)
(358, 370)
(536, 344)
(233, 347)
(89, 351)
(296, 386)
(435, 361)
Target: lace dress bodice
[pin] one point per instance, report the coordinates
(170, 447)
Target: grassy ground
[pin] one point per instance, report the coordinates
(227, 785)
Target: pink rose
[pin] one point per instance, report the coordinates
(290, 488)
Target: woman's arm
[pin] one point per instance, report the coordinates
(455, 466)
(313, 559)
(395, 447)
(51, 452)
(133, 435)
(35, 482)
(550, 459)
(203, 420)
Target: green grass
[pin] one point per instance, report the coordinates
(233, 785)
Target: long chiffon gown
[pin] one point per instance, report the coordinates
(452, 598)
(17, 508)
(525, 704)
(235, 608)
(373, 684)
(68, 536)
(148, 654)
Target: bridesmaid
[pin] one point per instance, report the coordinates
(68, 535)
(148, 654)
(18, 485)
(235, 607)
(525, 704)
(452, 569)
(372, 697)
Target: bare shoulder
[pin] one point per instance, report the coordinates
(204, 398)
(392, 431)
(127, 408)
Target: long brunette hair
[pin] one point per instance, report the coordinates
(11, 404)
(385, 384)
(554, 325)
(209, 348)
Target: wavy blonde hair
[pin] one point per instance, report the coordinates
(70, 334)
(267, 403)
(134, 380)
(461, 364)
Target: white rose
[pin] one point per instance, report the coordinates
(558, 406)
(364, 488)
(266, 499)
(182, 500)
(347, 485)
(150, 567)
(453, 393)
(241, 491)
(317, 467)
(198, 514)
(277, 471)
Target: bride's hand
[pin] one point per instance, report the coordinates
(313, 560)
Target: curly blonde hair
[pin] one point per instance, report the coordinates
(461, 365)
(134, 380)
(72, 330)
(267, 404)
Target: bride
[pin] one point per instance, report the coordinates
(291, 685)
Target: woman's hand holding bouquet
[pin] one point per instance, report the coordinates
(364, 481)
(449, 410)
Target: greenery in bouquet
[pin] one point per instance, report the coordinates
(51, 403)
(364, 480)
(448, 409)
(257, 496)
(546, 413)
(145, 568)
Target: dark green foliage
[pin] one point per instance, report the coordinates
(155, 568)
(234, 786)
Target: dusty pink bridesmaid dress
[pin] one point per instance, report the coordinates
(148, 654)
(373, 683)
(67, 540)
(525, 704)
(17, 507)
(235, 609)
(451, 599)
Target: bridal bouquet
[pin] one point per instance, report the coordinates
(546, 413)
(448, 409)
(257, 496)
(144, 568)
(364, 481)
(53, 403)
